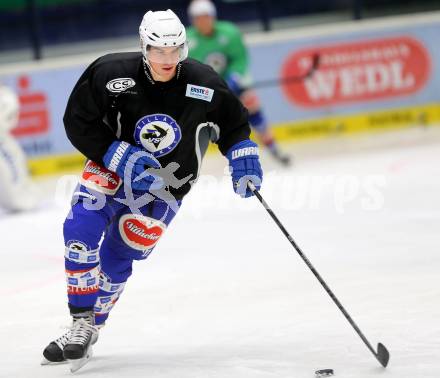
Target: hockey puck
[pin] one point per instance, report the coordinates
(324, 373)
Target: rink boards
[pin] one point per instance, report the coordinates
(373, 75)
(415, 117)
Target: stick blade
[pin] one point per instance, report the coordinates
(383, 356)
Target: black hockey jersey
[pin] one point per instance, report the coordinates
(116, 99)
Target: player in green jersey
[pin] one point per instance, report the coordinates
(220, 45)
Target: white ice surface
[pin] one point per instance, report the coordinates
(224, 295)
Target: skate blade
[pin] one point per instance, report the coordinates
(46, 362)
(75, 365)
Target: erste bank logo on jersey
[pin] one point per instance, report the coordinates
(159, 134)
(200, 93)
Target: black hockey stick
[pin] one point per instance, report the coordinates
(290, 79)
(382, 353)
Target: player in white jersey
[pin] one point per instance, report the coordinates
(16, 190)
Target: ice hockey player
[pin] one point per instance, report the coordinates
(144, 120)
(220, 45)
(17, 192)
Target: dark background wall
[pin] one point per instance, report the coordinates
(26, 23)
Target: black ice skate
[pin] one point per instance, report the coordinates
(53, 353)
(83, 333)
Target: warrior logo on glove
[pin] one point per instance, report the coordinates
(158, 134)
(245, 167)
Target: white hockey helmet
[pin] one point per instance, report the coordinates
(9, 108)
(202, 8)
(162, 29)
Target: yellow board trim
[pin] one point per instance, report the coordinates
(56, 164)
(426, 115)
(294, 131)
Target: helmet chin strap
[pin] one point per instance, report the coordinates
(147, 70)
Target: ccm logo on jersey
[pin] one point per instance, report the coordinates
(140, 232)
(120, 85)
(200, 93)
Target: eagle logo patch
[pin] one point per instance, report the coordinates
(159, 134)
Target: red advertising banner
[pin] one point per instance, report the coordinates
(355, 72)
(34, 111)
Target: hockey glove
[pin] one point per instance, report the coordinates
(245, 166)
(122, 156)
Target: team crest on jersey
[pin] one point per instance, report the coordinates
(158, 134)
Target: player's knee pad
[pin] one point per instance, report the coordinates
(81, 238)
(82, 232)
(79, 252)
(139, 234)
